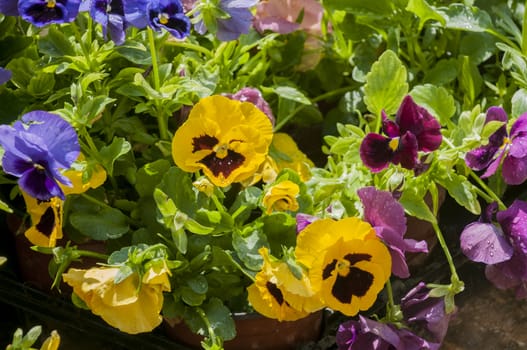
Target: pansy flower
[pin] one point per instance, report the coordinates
(277, 293)
(365, 333)
(228, 19)
(83, 176)
(503, 248)
(287, 155)
(44, 12)
(225, 138)
(413, 130)
(348, 264)
(132, 305)
(5, 75)
(46, 220)
(281, 197)
(387, 217)
(169, 15)
(111, 15)
(36, 148)
(507, 147)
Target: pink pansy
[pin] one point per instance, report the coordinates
(281, 16)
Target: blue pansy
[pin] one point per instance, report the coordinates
(36, 148)
(43, 12)
(168, 14)
(5, 75)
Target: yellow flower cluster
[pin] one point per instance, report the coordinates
(346, 266)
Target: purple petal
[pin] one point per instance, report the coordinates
(5, 74)
(518, 136)
(399, 265)
(417, 120)
(494, 165)
(496, 113)
(381, 209)
(513, 221)
(60, 137)
(406, 154)
(40, 185)
(302, 220)
(389, 127)
(514, 170)
(254, 96)
(375, 152)
(9, 7)
(482, 242)
(382, 330)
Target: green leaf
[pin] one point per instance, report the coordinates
(109, 154)
(436, 100)
(470, 80)
(416, 206)
(377, 8)
(220, 319)
(386, 84)
(41, 85)
(98, 222)
(425, 12)
(462, 190)
(150, 175)
(198, 284)
(135, 52)
(247, 243)
(291, 93)
(190, 297)
(519, 103)
(468, 18)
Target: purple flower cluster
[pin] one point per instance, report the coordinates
(422, 314)
(413, 130)
(113, 15)
(502, 246)
(36, 148)
(503, 147)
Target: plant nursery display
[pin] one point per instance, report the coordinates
(186, 164)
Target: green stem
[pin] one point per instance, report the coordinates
(489, 192)
(324, 96)
(162, 120)
(442, 243)
(524, 30)
(89, 253)
(504, 39)
(210, 330)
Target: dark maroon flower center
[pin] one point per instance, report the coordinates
(350, 280)
(222, 160)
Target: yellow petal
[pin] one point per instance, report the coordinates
(52, 342)
(46, 221)
(282, 197)
(287, 155)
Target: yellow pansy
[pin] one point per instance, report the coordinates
(52, 342)
(348, 264)
(77, 177)
(286, 154)
(281, 197)
(46, 220)
(129, 305)
(277, 293)
(226, 139)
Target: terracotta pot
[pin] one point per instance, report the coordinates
(254, 331)
(33, 266)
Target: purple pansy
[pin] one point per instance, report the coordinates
(413, 130)
(237, 19)
(426, 313)
(482, 241)
(44, 12)
(36, 148)
(509, 148)
(254, 96)
(373, 335)
(5, 75)
(387, 217)
(111, 15)
(503, 248)
(168, 14)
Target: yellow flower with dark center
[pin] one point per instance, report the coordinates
(97, 176)
(46, 220)
(226, 139)
(286, 154)
(281, 197)
(129, 305)
(348, 264)
(277, 293)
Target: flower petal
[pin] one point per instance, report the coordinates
(514, 223)
(514, 170)
(375, 152)
(482, 242)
